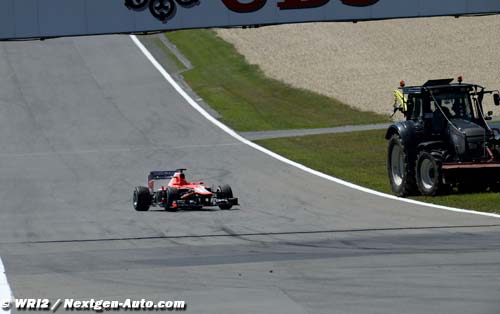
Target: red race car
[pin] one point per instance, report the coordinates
(170, 190)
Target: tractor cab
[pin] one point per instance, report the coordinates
(452, 113)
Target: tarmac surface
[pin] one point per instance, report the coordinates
(82, 121)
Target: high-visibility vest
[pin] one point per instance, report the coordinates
(399, 100)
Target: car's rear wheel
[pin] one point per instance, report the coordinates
(225, 192)
(141, 199)
(429, 174)
(172, 196)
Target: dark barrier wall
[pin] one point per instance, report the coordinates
(52, 18)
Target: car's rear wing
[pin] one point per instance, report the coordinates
(161, 175)
(164, 174)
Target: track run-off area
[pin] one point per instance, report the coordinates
(82, 121)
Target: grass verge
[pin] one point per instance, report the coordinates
(359, 157)
(246, 99)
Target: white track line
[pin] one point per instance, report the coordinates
(231, 132)
(5, 292)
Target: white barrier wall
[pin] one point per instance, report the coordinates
(53, 18)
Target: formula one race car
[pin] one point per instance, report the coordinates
(171, 191)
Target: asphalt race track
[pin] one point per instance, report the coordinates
(83, 120)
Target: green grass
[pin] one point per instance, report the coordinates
(359, 157)
(248, 100)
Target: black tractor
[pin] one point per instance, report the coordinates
(445, 142)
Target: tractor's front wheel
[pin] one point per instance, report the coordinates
(429, 174)
(399, 168)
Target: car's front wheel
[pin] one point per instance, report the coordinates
(225, 192)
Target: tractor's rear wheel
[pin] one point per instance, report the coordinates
(399, 168)
(429, 174)
(141, 198)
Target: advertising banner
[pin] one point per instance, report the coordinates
(56, 18)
